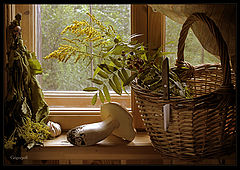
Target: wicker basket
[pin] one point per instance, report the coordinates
(204, 126)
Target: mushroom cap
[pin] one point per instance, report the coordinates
(125, 119)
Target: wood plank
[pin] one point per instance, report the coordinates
(101, 162)
(139, 21)
(139, 17)
(76, 162)
(111, 148)
(144, 162)
(83, 101)
(152, 26)
(156, 30)
(27, 11)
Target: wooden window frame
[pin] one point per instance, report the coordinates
(152, 26)
(143, 21)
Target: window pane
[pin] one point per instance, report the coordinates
(194, 53)
(53, 19)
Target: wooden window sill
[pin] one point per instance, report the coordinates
(111, 148)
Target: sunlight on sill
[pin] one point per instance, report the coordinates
(76, 110)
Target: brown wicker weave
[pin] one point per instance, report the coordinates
(201, 127)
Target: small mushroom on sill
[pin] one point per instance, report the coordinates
(116, 120)
(54, 129)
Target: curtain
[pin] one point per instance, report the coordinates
(224, 16)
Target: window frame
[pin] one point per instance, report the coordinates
(143, 21)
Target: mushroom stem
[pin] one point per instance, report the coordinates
(90, 134)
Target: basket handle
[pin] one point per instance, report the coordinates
(222, 46)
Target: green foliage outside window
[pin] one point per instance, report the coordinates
(193, 51)
(54, 18)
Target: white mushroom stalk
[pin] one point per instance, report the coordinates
(116, 120)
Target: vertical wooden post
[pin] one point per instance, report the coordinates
(152, 26)
(138, 25)
(155, 30)
(27, 23)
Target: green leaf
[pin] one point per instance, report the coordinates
(34, 64)
(111, 68)
(185, 68)
(113, 86)
(177, 83)
(107, 68)
(117, 39)
(96, 71)
(157, 85)
(121, 76)
(106, 93)
(90, 89)
(174, 75)
(106, 54)
(124, 73)
(108, 48)
(131, 78)
(151, 80)
(170, 42)
(118, 64)
(123, 87)
(102, 74)
(142, 75)
(143, 56)
(31, 145)
(95, 81)
(113, 50)
(94, 99)
(117, 50)
(117, 83)
(101, 96)
(166, 53)
(104, 68)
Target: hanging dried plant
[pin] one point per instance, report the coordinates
(25, 111)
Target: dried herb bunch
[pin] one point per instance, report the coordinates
(25, 111)
(118, 58)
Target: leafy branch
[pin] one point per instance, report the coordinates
(118, 58)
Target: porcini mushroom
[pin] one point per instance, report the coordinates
(116, 120)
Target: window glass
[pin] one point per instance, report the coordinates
(58, 76)
(194, 53)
